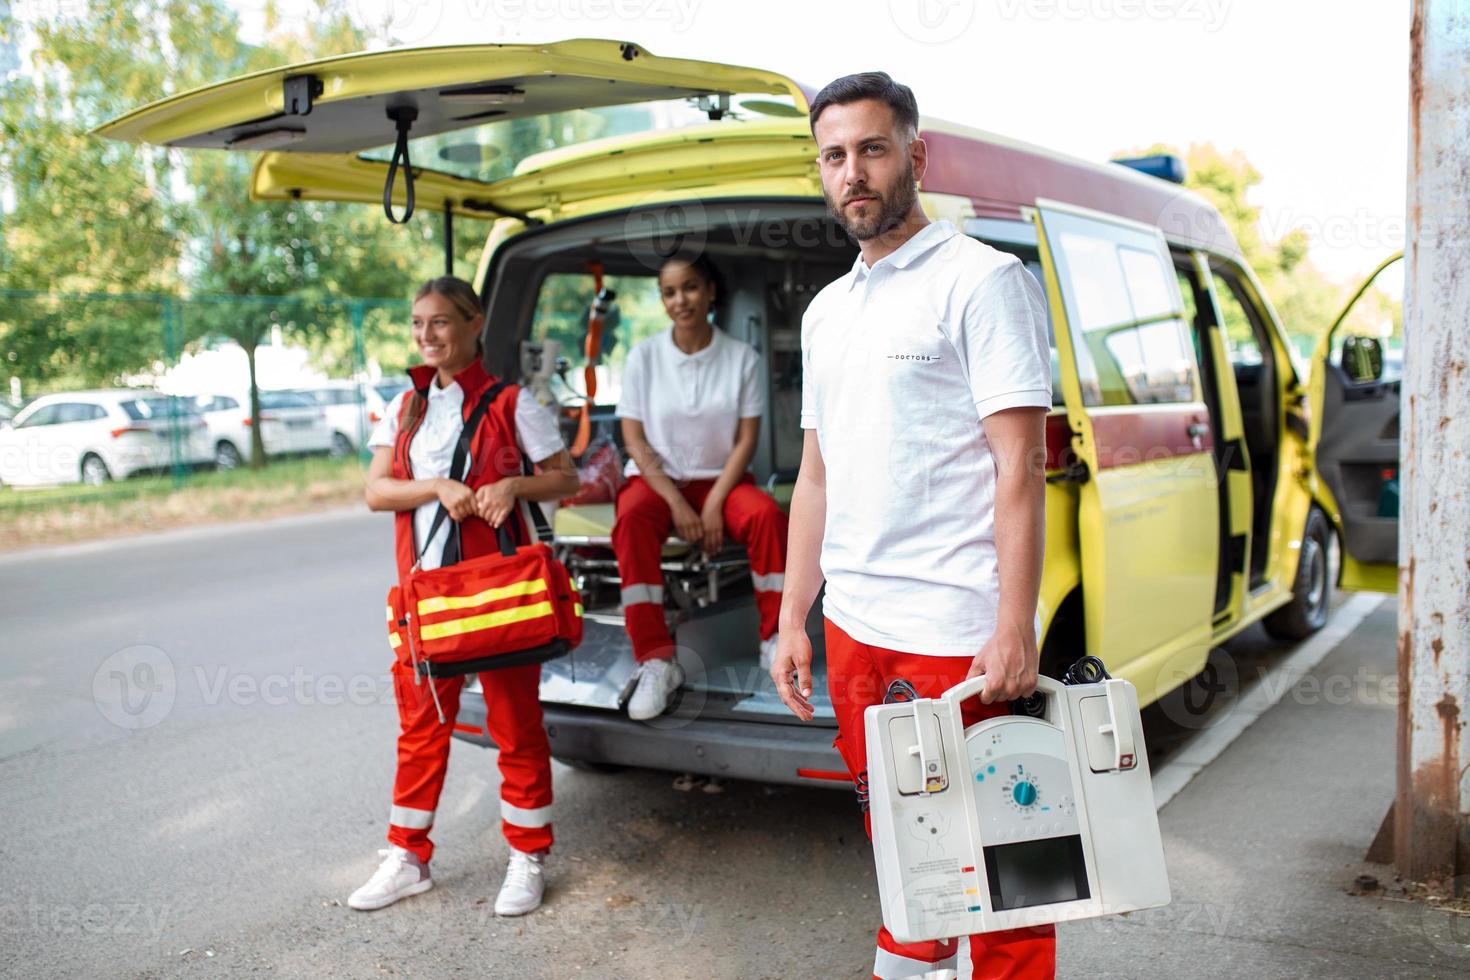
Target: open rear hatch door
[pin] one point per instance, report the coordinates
(469, 116)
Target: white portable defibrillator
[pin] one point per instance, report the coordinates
(1016, 820)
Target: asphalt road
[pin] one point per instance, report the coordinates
(196, 749)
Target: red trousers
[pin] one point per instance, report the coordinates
(513, 717)
(644, 521)
(858, 675)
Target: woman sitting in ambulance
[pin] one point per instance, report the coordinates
(409, 474)
(691, 408)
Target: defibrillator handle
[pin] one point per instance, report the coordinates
(974, 686)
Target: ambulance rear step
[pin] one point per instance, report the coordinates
(766, 752)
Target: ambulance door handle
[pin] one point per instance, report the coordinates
(1197, 432)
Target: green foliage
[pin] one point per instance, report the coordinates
(563, 304)
(96, 216)
(1306, 301)
(87, 215)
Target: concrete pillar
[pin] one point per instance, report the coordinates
(1432, 808)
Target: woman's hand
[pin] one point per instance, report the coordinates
(713, 519)
(458, 499)
(495, 501)
(687, 523)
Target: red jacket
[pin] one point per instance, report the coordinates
(493, 454)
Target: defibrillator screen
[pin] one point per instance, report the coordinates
(1036, 872)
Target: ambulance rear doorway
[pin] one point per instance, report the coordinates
(773, 257)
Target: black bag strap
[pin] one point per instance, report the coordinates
(452, 547)
(538, 518)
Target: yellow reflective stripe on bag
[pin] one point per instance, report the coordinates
(444, 603)
(394, 640)
(502, 617)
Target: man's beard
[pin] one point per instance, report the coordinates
(893, 207)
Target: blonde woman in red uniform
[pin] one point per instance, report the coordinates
(409, 475)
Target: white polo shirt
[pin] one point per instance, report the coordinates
(900, 363)
(432, 450)
(691, 404)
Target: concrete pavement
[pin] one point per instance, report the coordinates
(217, 831)
(1265, 844)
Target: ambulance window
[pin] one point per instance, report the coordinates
(562, 306)
(1240, 336)
(1098, 290)
(1125, 312)
(1147, 287)
(1164, 371)
(1191, 311)
(494, 150)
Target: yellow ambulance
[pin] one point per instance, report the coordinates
(1200, 479)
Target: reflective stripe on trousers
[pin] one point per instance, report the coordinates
(513, 719)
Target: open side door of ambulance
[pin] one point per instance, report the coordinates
(1355, 386)
(1148, 501)
(462, 120)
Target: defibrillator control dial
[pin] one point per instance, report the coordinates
(1021, 791)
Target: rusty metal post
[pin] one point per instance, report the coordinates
(1432, 807)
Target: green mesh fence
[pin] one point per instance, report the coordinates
(126, 394)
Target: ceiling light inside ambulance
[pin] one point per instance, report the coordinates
(266, 139)
(483, 95)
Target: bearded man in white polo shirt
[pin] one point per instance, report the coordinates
(925, 387)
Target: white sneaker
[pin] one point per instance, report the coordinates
(525, 883)
(768, 652)
(657, 679)
(400, 875)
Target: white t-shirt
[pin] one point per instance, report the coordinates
(691, 404)
(900, 363)
(432, 449)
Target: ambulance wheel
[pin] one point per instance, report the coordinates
(585, 765)
(1311, 594)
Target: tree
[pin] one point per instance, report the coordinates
(308, 257)
(1305, 299)
(88, 216)
(132, 227)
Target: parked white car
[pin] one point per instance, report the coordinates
(352, 411)
(290, 422)
(229, 429)
(96, 436)
(388, 388)
(303, 428)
